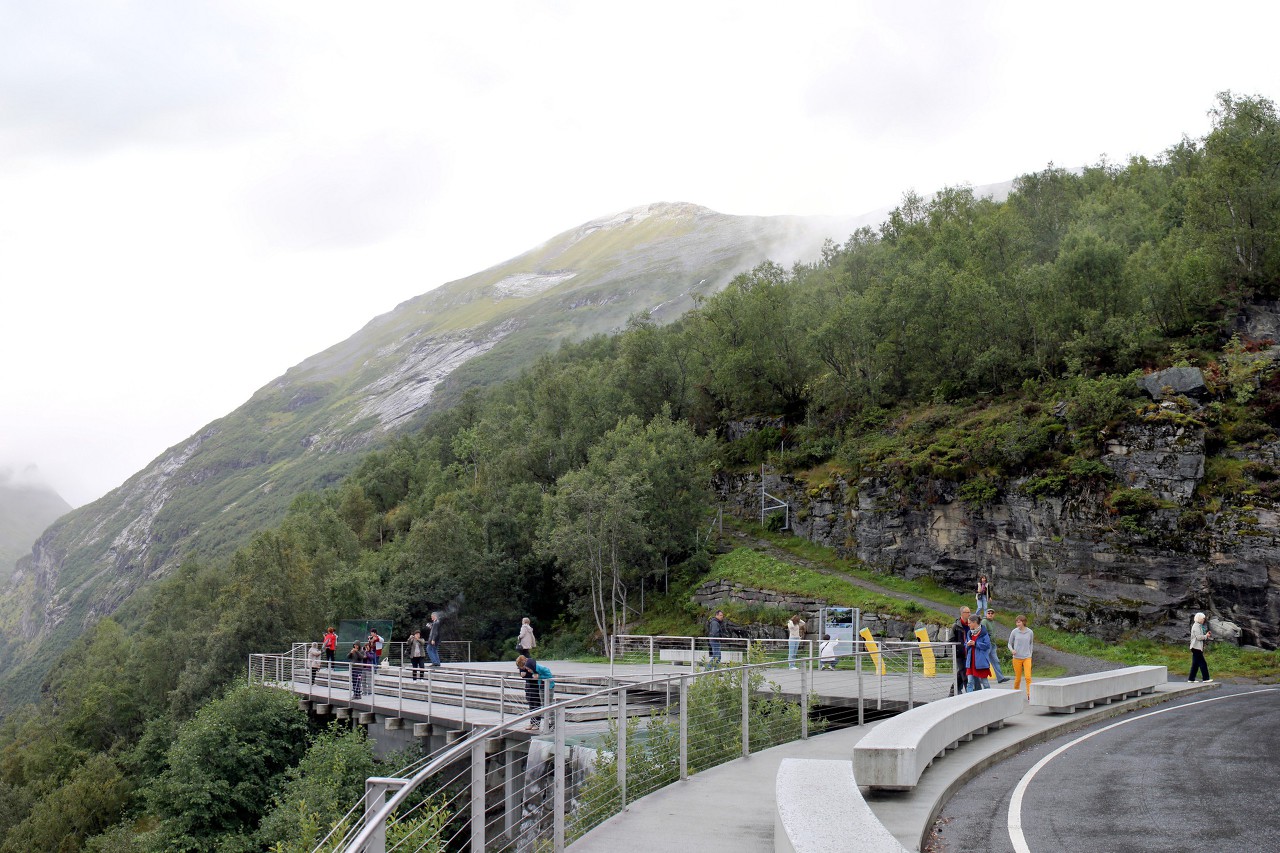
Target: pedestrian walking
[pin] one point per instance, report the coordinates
(313, 661)
(330, 646)
(1199, 634)
(977, 655)
(526, 642)
(987, 622)
(1020, 648)
(960, 635)
(417, 654)
(356, 656)
(795, 633)
(715, 630)
(433, 639)
(984, 593)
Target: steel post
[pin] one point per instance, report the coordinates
(557, 840)
(477, 797)
(684, 729)
(622, 745)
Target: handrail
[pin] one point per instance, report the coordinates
(376, 817)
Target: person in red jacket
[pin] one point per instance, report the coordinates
(330, 646)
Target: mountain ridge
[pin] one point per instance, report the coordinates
(306, 429)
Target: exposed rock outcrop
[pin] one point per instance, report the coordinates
(1072, 560)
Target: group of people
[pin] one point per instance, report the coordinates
(367, 654)
(980, 660)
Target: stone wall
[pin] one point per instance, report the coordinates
(1067, 560)
(715, 594)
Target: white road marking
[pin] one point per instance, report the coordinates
(1015, 803)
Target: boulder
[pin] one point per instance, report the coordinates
(1221, 629)
(1180, 382)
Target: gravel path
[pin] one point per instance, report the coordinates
(1074, 664)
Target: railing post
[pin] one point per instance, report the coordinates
(510, 789)
(805, 675)
(857, 664)
(558, 830)
(911, 671)
(746, 704)
(651, 656)
(684, 728)
(622, 745)
(375, 795)
(477, 796)
(430, 691)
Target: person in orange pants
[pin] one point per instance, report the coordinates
(1020, 647)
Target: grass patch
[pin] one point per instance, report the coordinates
(1225, 661)
(762, 571)
(826, 557)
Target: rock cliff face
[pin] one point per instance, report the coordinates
(1071, 560)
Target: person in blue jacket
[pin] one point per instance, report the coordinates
(537, 680)
(977, 656)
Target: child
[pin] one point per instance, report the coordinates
(827, 654)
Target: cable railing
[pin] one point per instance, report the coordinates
(541, 778)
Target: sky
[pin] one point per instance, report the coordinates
(196, 196)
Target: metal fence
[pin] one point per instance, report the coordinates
(397, 653)
(504, 787)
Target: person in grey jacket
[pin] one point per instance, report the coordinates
(313, 660)
(1020, 639)
(433, 639)
(715, 630)
(1199, 633)
(417, 654)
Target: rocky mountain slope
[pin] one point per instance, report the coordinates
(306, 429)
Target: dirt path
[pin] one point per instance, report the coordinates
(1074, 664)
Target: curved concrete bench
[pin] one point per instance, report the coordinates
(820, 810)
(1064, 695)
(893, 756)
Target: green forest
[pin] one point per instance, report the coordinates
(931, 347)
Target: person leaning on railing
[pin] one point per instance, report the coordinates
(356, 656)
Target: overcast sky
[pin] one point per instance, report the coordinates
(196, 196)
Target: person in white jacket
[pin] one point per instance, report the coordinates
(827, 653)
(313, 660)
(1199, 633)
(525, 644)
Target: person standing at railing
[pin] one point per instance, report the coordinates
(795, 633)
(1020, 639)
(433, 639)
(356, 656)
(417, 653)
(977, 658)
(532, 673)
(375, 646)
(526, 641)
(715, 630)
(330, 646)
(313, 660)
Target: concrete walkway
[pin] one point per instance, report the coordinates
(730, 808)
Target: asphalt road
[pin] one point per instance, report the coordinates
(1199, 774)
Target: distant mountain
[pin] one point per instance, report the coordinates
(26, 509)
(308, 428)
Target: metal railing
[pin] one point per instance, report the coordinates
(470, 696)
(504, 788)
(397, 653)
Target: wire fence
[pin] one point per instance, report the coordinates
(531, 778)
